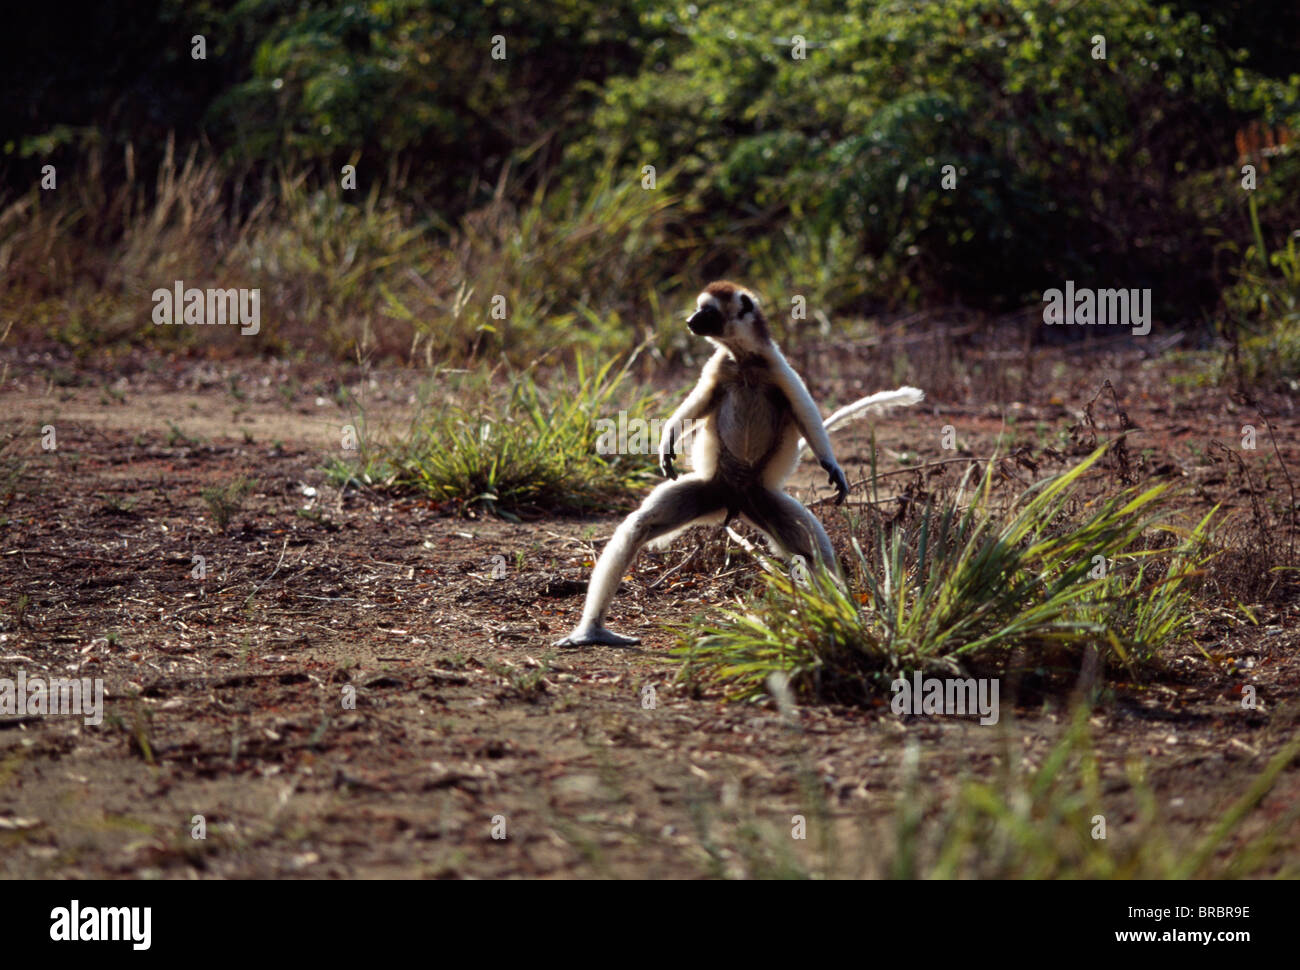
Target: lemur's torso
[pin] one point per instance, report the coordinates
(752, 418)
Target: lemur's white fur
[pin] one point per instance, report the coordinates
(752, 418)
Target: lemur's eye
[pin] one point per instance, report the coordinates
(746, 304)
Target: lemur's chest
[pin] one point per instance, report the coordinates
(751, 418)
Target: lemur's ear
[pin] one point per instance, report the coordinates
(746, 304)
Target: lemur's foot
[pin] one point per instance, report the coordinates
(592, 634)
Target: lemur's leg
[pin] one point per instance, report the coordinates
(794, 529)
(669, 507)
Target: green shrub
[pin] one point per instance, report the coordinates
(1263, 311)
(1066, 166)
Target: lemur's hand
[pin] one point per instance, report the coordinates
(835, 475)
(666, 457)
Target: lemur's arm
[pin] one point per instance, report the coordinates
(809, 419)
(698, 403)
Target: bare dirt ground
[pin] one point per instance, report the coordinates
(225, 692)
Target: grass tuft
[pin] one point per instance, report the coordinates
(223, 501)
(959, 585)
(518, 449)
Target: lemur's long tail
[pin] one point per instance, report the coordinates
(902, 397)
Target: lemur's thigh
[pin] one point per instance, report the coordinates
(794, 529)
(673, 505)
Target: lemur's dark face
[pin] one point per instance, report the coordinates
(707, 321)
(729, 315)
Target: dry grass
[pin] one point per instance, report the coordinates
(349, 273)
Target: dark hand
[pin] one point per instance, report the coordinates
(666, 462)
(836, 477)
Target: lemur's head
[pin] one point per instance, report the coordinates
(729, 315)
